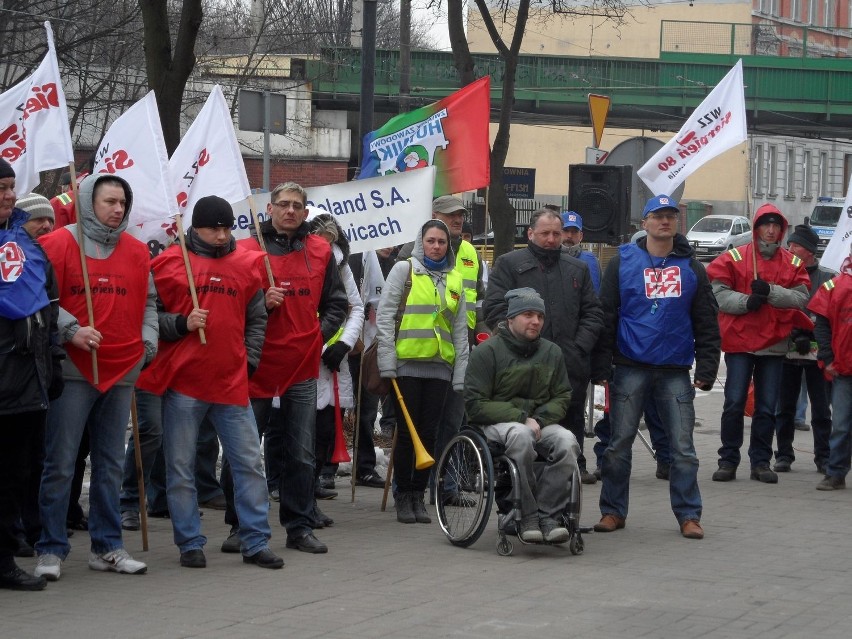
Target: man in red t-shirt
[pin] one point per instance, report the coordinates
(124, 337)
(307, 305)
(211, 380)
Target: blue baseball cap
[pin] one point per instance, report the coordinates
(571, 219)
(659, 203)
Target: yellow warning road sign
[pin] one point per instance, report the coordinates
(598, 110)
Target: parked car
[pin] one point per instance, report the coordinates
(712, 235)
(520, 236)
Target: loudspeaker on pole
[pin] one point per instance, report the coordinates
(600, 193)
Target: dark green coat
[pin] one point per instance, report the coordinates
(509, 379)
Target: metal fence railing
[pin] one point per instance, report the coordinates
(769, 38)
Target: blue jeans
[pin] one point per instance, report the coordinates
(659, 439)
(289, 440)
(674, 394)
(107, 415)
(792, 379)
(840, 441)
(766, 370)
(235, 426)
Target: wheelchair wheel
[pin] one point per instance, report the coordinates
(464, 495)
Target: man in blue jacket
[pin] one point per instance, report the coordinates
(660, 316)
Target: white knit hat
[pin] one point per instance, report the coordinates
(36, 205)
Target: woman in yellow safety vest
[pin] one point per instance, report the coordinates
(426, 353)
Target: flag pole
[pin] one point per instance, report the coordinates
(261, 241)
(192, 291)
(87, 286)
(748, 207)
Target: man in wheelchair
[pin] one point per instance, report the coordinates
(516, 390)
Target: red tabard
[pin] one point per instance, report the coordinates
(291, 352)
(768, 325)
(217, 372)
(119, 292)
(835, 304)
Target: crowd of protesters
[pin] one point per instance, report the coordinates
(262, 352)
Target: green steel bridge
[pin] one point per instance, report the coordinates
(786, 94)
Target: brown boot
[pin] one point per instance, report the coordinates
(691, 529)
(609, 523)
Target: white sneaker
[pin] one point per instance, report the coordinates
(530, 532)
(118, 560)
(49, 567)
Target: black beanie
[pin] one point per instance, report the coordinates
(6, 170)
(211, 212)
(806, 237)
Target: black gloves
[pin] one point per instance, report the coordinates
(334, 354)
(754, 302)
(760, 287)
(803, 344)
(57, 382)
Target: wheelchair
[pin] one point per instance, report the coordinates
(472, 474)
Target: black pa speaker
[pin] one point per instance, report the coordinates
(601, 195)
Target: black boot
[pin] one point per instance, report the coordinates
(419, 508)
(404, 508)
(14, 578)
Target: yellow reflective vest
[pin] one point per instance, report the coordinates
(426, 330)
(467, 264)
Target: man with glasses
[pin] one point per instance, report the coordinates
(660, 317)
(306, 306)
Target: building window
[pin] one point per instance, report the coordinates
(822, 174)
(790, 174)
(795, 10)
(757, 169)
(830, 20)
(806, 174)
(772, 185)
(847, 172)
(812, 11)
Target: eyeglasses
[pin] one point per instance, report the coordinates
(671, 217)
(285, 204)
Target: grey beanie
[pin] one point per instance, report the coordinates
(36, 206)
(805, 236)
(523, 299)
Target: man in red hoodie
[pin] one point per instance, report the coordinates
(761, 289)
(832, 304)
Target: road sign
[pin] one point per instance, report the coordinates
(598, 110)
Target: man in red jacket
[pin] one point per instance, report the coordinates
(832, 304)
(761, 289)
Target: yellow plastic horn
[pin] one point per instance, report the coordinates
(422, 459)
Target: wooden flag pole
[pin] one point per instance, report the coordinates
(261, 242)
(86, 284)
(140, 476)
(192, 291)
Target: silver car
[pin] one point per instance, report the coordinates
(714, 234)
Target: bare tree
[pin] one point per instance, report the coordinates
(513, 14)
(169, 67)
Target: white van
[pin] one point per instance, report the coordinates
(712, 235)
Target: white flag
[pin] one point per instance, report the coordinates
(208, 159)
(838, 246)
(133, 149)
(718, 124)
(34, 133)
